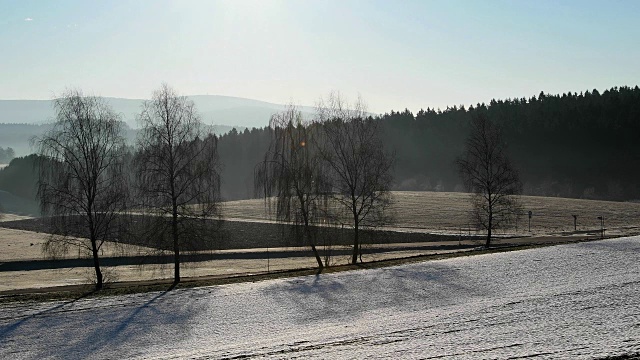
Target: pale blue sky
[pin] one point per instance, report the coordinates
(395, 54)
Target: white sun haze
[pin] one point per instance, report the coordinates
(408, 54)
(290, 52)
(247, 42)
(250, 6)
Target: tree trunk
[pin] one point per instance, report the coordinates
(317, 255)
(307, 233)
(176, 245)
(489, 229)
(94, 247)
(356, 244)
(96, 264)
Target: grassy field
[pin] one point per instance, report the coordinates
(417, 215)
(445, 212)
(425, 223)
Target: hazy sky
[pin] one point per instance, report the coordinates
(395, 54)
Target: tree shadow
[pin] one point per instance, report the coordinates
(336, 296)
(625, 244)
(97, 327)
(13, 327)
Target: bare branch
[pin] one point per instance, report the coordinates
(177, 167)
(81, 184)
(358, 168)
(489, 174)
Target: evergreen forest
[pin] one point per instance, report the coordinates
(579, 145)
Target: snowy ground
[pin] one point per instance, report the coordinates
(569, 301)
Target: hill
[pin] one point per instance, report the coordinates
(19, 136)
(449, 213)
(214, 109)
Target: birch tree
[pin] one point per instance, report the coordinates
(358, 167)
(82, 187)
(489, 174)
(177, 171)
(291, 173)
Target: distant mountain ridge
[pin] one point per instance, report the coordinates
(19, 136)
(214, 110)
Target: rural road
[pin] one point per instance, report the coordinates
(569, 301)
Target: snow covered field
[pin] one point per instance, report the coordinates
(569, 301)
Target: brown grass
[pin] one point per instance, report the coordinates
(446, 212)
(423, 212)
(26, 245)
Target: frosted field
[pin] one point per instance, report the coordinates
(447, 212)
(569, 301)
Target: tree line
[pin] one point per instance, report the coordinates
(328, 171)
(94, 188)
(578, 145)
(569, 145)
(6, 155)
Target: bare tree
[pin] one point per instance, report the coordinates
(177, 170)
(358, 167)
(81, 183)
(291, 172)
(490, 176)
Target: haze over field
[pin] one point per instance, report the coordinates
(214, 110)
